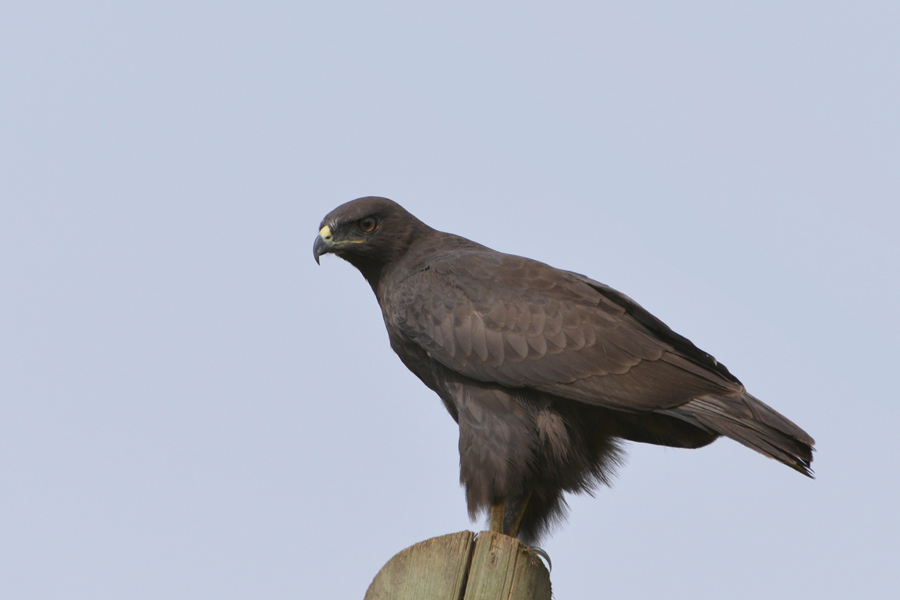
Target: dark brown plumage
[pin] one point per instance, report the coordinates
(544, 370)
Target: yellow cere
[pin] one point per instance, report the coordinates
(325, 233)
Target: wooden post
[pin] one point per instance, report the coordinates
(460, 566)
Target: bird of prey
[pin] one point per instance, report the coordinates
(544, 370)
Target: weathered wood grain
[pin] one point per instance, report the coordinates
(460, 567)
(431, 570)
(502, 568)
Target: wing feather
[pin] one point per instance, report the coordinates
(517, 322)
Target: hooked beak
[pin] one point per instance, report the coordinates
(324, 243)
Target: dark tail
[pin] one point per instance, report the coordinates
(747, 420)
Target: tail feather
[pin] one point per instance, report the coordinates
(745, 419)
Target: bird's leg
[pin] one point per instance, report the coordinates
(513, 513)
(497, 510)
(507, 513)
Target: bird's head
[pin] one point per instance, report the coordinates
(368, 233)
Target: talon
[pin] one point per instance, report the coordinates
(543, 554)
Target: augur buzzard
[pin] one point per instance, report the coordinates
(544, 370)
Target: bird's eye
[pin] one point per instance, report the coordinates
(367, 224)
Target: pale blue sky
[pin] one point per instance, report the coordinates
(190, 408)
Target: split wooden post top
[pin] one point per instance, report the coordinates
(461, 566)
